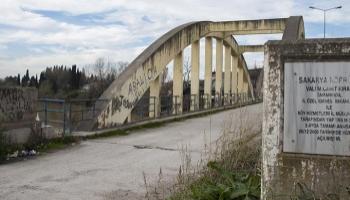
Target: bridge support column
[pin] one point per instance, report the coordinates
(178, 84)
(227, 79)
(234, 78)
(218, 74)
(129, 117)
(245, 87)
(208, 71)
(240, 80)
(195, 76)
(154, 91)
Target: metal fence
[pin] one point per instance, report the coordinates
(66, 115)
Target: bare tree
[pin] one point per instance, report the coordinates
(105, 68)
(122, 66)
(99, 68)
(105, 72)
(187, 72)
(165, 76)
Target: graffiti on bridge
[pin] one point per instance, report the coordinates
(138, 83)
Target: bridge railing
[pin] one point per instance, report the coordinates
(65, 116)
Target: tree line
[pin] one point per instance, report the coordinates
(70, 82)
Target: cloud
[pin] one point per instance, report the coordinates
(3, 47)
(78, 31)
(84, 57)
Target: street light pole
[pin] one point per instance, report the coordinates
(324, 24)
(324, 16)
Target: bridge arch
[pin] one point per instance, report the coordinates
(144, 71)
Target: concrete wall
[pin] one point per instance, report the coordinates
(290, 175)
(17, 104)
(17, 112)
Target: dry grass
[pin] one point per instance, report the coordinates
(237, 150)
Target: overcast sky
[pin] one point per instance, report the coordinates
(39, 33)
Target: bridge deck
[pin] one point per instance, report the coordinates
(96, 168)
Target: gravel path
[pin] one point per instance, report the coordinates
(97, 169)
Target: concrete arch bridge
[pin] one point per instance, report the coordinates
(232, 81)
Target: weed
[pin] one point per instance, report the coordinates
(231, 171)
(226, 185)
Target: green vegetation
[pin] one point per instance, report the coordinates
(226, 185)
(58, 143)
(233, 176)
(108, 134)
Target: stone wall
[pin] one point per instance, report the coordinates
(288, 175)
(17, 112)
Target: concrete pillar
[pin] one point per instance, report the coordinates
(208, 70)
(240, 80)
(178, 84)
(129, 117)
(218, 74)
(227, 79)
(245, 84)
(245, 87)
(195, 76)
(234, 76)
(154, 107)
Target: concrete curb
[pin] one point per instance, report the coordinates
(162, 120)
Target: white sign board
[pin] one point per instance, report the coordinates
(317, 108)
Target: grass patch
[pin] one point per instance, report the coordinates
(55, 144)
(108, 134)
